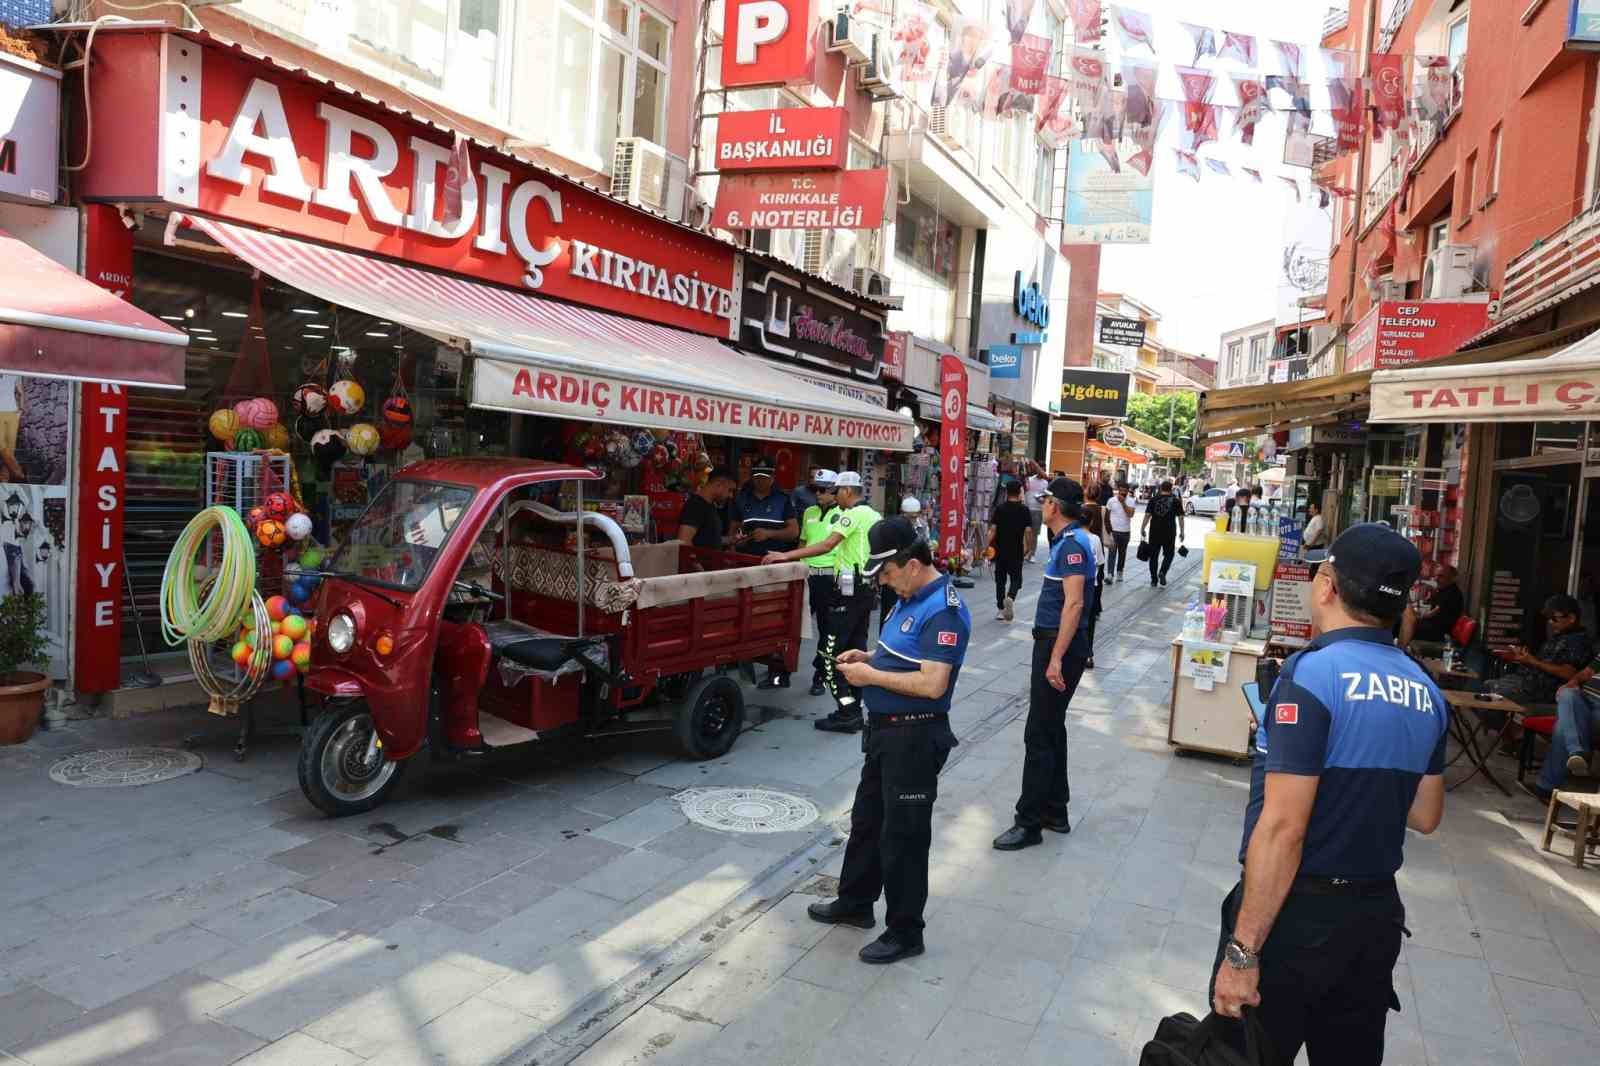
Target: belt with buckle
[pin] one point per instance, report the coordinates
(892, 721)
(1314, 885)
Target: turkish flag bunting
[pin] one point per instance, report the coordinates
(1029, 59)
(1290, 54)
(1388, 74)
(1241, 46)
(1252, 105)
(1197, 84)
(1139, 82)
(1295, 185)
(1199, 126)
(1085, 15)
(456, 174)
(1133, 27)
(1255, 175)
(1219, 167)
(1144, 138)
(1188, 163)
(1205, 40)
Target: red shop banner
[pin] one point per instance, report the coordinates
(280, 151)
(597, 397)
(895, 345)
(1399, 333)
(785, 138)
(952, 455)
(844, 199)
(102, 462)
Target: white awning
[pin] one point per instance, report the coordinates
(1564, 386)
(538, 356)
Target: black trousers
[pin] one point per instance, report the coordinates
(891, 823)
(1045, 793)
(1162, 548)
(1117, 561)
(849, 618)
(1327, 975)
(1094, 612)
(819, 593)
(1006, 572)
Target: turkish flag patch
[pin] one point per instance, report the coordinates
(1286, 714)
(947, 638)
(1074, 560)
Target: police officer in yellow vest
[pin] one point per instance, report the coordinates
(815, 526)
(852, 596)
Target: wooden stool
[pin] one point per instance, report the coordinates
(1584, 835)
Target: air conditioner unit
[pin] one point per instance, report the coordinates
(849, 38)
(1448, 273)
(814, 251)
(639, 173)
(869, 282)
(876, 76)
(1388, 288)
(940, 126)
(696, 210)
(677, 186)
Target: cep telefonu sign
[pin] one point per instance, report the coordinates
(768, 42)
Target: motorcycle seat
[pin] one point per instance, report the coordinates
(536, 653)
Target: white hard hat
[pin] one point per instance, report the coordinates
(822, 476)
(910, 505)
(849, 479)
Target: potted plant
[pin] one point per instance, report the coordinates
(22, 643)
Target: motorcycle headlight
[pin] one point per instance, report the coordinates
(342, 633)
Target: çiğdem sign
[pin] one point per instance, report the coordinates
(1100, 393)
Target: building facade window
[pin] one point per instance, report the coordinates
(1493, 173)
(1469, 186)
(1456, 42)
(612, 65)
(1235, 356)
(1258, 355)
(926, 250)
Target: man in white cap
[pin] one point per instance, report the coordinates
(851, 605)
(911, 511)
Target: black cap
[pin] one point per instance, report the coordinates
(886, 539)
(1067, 492)
(1379, 561)
(763, 467)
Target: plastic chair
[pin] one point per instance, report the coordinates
(1464, 631)
(1540, 725)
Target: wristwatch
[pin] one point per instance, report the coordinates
(1240, 957)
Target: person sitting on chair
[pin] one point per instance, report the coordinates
(1572, 739)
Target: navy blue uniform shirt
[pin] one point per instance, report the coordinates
(1071, 555)
(934, 625)
(777, 507)
(1355, 711)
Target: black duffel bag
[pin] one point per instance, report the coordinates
(1144, 551)
(1180, 1040)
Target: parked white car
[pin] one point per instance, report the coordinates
(1208, 502)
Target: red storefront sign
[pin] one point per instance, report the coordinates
(767, 42)
(844, 199)
(102, 454)
(1399, 333)
(895, 346)
(280, 151)
(952, 455)
(598, 397)
(786, 138)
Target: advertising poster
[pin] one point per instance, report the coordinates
(1107, 203)
(1232, 579)
(1205, 664)
(970, 44)
(1291, 601)
(1404, 333)
(952, 455)
(919, 41)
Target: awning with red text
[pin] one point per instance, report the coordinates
(56, 324)
(1564, 386)
(538, 356)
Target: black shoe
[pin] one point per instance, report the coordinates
(1090, 664)
(1163, 581)
(817, 688)
(889, 948)
(1535, 791)
(835, 723)
(1063, 826)
(1016, 838)
(834, 912)
(1152, 582)
(774, 680)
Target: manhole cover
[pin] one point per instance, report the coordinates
(124, 767)
(747, 810)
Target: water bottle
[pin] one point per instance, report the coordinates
(847, 581)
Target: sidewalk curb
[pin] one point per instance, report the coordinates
(588, 1023)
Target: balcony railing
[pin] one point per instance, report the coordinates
(1386, 184)
(1335, 20)
(1391, 29)
(1381, 191)
(1554, 268)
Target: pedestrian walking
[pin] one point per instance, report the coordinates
(1119, 514)
(907, 684)
(815, 525)
(1008, 529)
(1163, 524)
(1349, 754)
(1060, 651)
(850, 606)
(1033, 489)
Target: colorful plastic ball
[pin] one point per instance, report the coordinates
(276, 436)
(255, 516)
(298, 525)
(394, 438)
(311, 558)
(397, 411)
(362, 438)
(279, 506)
(310, 399)
(257, 413)
(242, 653)
(306, 427)
(282, 670)
(223, 424)
(301, 656)
(328, 446)
(248, 440)
(282, 646)
(294, 626)
(271, 534)
(277, 608)
(347, 397)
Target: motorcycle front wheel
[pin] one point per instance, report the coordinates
(342, 771)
